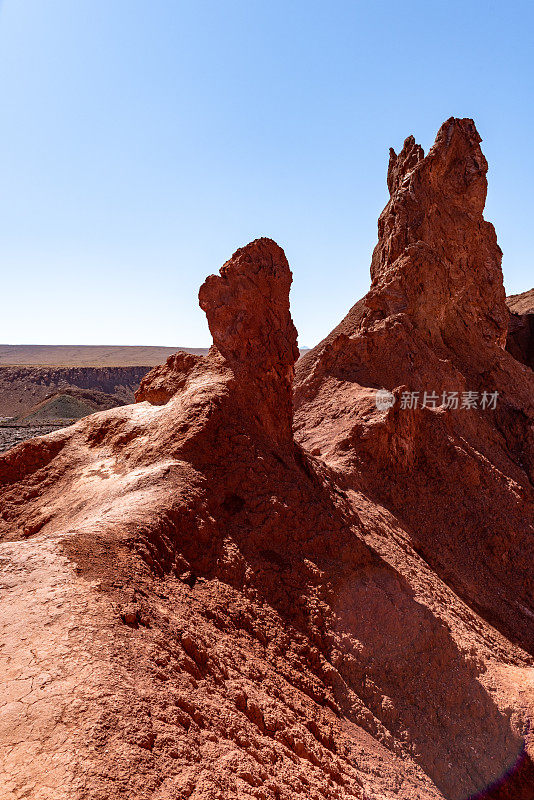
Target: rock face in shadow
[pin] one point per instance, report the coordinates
(199, 606)
(520, 341)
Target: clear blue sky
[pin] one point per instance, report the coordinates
(143, 141)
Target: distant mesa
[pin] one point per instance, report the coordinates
(28, 355)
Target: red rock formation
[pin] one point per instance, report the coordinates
(247, 307)
(459, 483)
(198, 607)
(162, 382)
(520, 341)
(437, 261)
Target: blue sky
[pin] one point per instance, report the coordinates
(142, 142)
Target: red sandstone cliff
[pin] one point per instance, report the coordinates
(197, 606)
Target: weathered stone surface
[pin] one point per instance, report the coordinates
(520, 340)
(459, 483)
(521, 303)
(437, 260)
(162, 382)
(247, 306)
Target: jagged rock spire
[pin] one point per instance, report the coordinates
(437, 260)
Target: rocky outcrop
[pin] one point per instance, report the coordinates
(520, 341)
(247, 307)
(437, 261)
(198, 606)
(163, 382)
(458, 480)
(521, 303)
